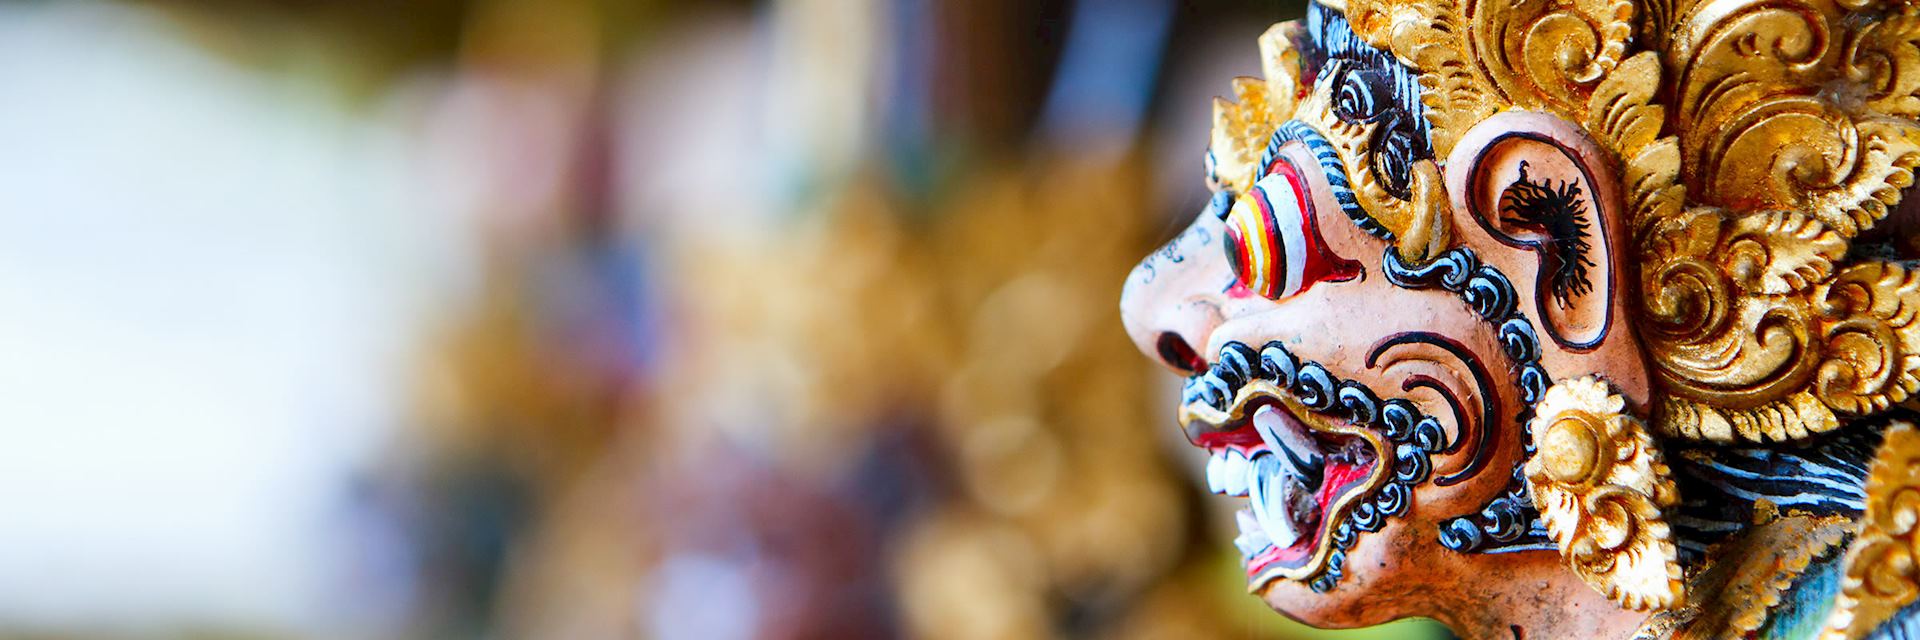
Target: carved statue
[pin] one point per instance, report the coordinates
(1563, 319)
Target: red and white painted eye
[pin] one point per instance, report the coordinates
(1272, 242)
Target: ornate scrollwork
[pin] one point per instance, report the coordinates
(1623, 117)
(1550, 54)
(1881, 575)
(1600, 485)
(1756, 80)
(1731, 329)
(1756, 336)
(1872, 344)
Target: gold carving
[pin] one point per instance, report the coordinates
(1761, 124)
(1600, 485)
(1755, 140)
(1873, 348)
(1622, 117)
(1880, 576)
(1738, 590)
(1240, 132)
(1242, 126)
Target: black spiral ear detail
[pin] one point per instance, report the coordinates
(1429, 435)
(1366, 518)
(1215, 390)
(1490, 294)
(1462, 535)
(1518, 341)
(1508, 517)
(1533, 384)
(1236, 363)
(1343, 536)
(1397, 416)
(1448, 271)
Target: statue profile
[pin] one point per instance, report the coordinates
(1569, 319)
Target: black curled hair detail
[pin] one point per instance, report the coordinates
(1369, 86)
(1508, 522)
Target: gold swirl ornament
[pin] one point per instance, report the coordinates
(1880, 575)
(1600, 485)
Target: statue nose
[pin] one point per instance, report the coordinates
(1171, 302)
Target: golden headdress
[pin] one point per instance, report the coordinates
(1758, 142)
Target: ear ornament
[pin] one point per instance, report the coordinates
(1600, 485)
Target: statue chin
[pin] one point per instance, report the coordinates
(1321, 611)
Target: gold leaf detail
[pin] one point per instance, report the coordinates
(1280, 63)
(1240, 131)
(1796, 416)
(1766, 107)
(1429, 38)
(1746, 575)
(1880, 575)
(1600, 484)
(1622, 116)
(1872, 344)
(1779, 252)
(1242, 126)
(1546, 54)
(1732, 359)
(1887, 55)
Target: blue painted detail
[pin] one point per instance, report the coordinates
(1804, 607)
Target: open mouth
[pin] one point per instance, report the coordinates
(1301, 471)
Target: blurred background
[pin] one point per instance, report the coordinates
(596, 319)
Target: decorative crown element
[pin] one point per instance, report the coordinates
(1758, 142)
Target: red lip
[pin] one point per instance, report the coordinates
(1348, 459)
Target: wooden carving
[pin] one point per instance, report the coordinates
(1563, 318)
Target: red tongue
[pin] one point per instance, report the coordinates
(1338, 477)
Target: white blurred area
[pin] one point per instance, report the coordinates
(594, 319)
(209, 281)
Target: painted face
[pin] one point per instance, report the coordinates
(1550, 294)
(1362, 342)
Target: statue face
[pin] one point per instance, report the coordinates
(1480, 282)
(1359, 331)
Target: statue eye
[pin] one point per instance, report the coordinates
(1272, 243)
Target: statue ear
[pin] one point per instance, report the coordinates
(1535, 182)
